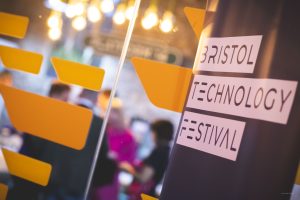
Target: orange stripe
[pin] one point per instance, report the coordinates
(3, 191)
(27, 168)
(13, 25)
(146, 197)
(89, 77)
(47, 118)
(172, 93)
(196, 19)
(18, 59)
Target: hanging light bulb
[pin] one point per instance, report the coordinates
(55, 5)
(54, 33)
(129, 10)
(167, 23)
(150, 18)
(75, 9)
(93, 13)
(107, 6)
(119, 16)
(79, 23)
(54, 20)
(79, 8)
(70, 11)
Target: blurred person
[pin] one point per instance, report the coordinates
(70, 168)
(151, 170)
(103, 100)
(106, 167)
(60, 91)
(121, 144)
(6, 132)
(72, 171)
(36, 148)
(120, 139)
(6, 78)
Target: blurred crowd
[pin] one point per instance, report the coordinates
(122, 172)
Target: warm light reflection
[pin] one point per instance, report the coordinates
(107, 6)
(167, 23)
(93, 14)
(54, 20)
(129, 10)
(79, 8)
(54, 23)
(70, 13)
(119, 17)
(79, 23)
(150, 18)
(76, 9)
(54, 33)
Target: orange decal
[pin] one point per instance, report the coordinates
(47, 118)
(166, 85)
(86, 76)
(3, 191)
(27, 168)
(196, 19)
(18, 59)
(146, 197)
(13, 25)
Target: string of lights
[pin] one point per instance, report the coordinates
(82, 11)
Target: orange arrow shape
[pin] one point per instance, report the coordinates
(27, 168)
(146, 197)
(47, 118)
(18, 59)
(87, 76)
(195, 17)
(166, 85)
(13, 25)
(3, 191)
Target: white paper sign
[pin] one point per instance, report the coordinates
(229, 54)
(264, 99)
(214, 135)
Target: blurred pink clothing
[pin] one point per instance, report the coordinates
(107, 192)
(122, 143)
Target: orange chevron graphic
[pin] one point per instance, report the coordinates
(146, 197)
(166, 85)
(27, 168)
(3, 191)
(47, 118)
(89, 77)
(41, 116)
(26, 61)
(195, 17)
(13, 25)
(172, 93)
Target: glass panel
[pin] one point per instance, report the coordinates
(141, 119)
(160, 59)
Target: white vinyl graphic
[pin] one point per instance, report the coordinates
(264, 99)
(229, 54)
(214, 135)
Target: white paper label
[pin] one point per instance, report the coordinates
(264, 99)
(229, 54)
(214, 135)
